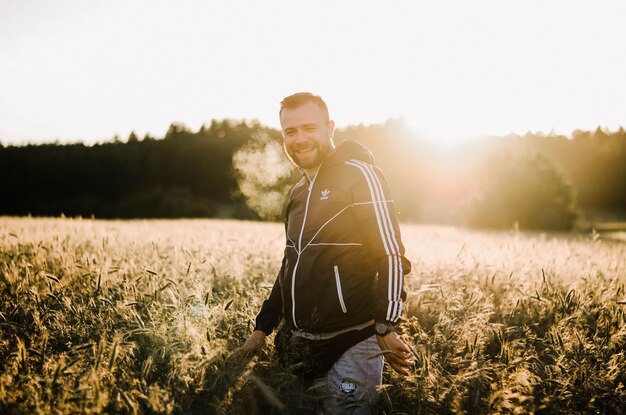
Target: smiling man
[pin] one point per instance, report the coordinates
(307, 131)
(340, 286)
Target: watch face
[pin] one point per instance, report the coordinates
(381, 328)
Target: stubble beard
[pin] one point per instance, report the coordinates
(308, 161)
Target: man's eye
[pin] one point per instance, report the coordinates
(310, 128)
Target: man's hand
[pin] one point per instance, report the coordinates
(400, 357)
(253, 345)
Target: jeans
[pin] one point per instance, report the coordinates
(349, 387)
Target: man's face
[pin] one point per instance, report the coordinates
(307, 135)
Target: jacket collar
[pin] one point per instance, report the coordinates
(345, 151)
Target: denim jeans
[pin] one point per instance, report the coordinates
(349, 387)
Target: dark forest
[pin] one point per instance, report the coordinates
(530, 181)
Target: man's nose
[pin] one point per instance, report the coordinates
(300, 136)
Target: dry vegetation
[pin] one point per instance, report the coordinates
(141, 316)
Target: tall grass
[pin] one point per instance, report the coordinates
(143, 317)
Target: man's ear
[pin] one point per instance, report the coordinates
(331, 128)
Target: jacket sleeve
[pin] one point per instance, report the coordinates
(272, 308)
(376, 215)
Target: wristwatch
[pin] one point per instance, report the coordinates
(382, 328)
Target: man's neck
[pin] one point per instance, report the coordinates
(312, 172)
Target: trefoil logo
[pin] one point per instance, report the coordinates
(325, 194)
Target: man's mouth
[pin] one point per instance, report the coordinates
(305, 150)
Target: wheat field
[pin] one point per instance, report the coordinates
(143, 316)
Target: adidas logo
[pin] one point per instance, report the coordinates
(325, 194)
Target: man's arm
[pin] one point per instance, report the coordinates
(267, 319)
(376, 215)
(271, 310)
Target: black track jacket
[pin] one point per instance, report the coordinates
(344, 262)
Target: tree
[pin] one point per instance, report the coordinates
(526, 191)
(132, 138)
(176, 130)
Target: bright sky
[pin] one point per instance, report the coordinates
(87, 70)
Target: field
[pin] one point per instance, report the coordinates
(143, 317)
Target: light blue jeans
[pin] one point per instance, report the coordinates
(351, 386)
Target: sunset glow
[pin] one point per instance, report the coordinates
(75, 70)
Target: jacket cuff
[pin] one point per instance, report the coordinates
(267, 329)
(265, 321)
(383, 311)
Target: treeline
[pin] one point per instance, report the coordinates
(593, 161)
(185, 174)
(530, 181)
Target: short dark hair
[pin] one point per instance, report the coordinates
(301, 98)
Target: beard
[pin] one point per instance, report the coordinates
(307, 155)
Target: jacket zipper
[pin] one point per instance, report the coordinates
(295, 267)
(339, 292)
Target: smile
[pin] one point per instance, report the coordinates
(304, 151)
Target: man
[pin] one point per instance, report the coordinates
(340, 286)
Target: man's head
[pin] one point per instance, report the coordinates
(307, 130)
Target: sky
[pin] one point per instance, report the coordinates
(82, 70)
